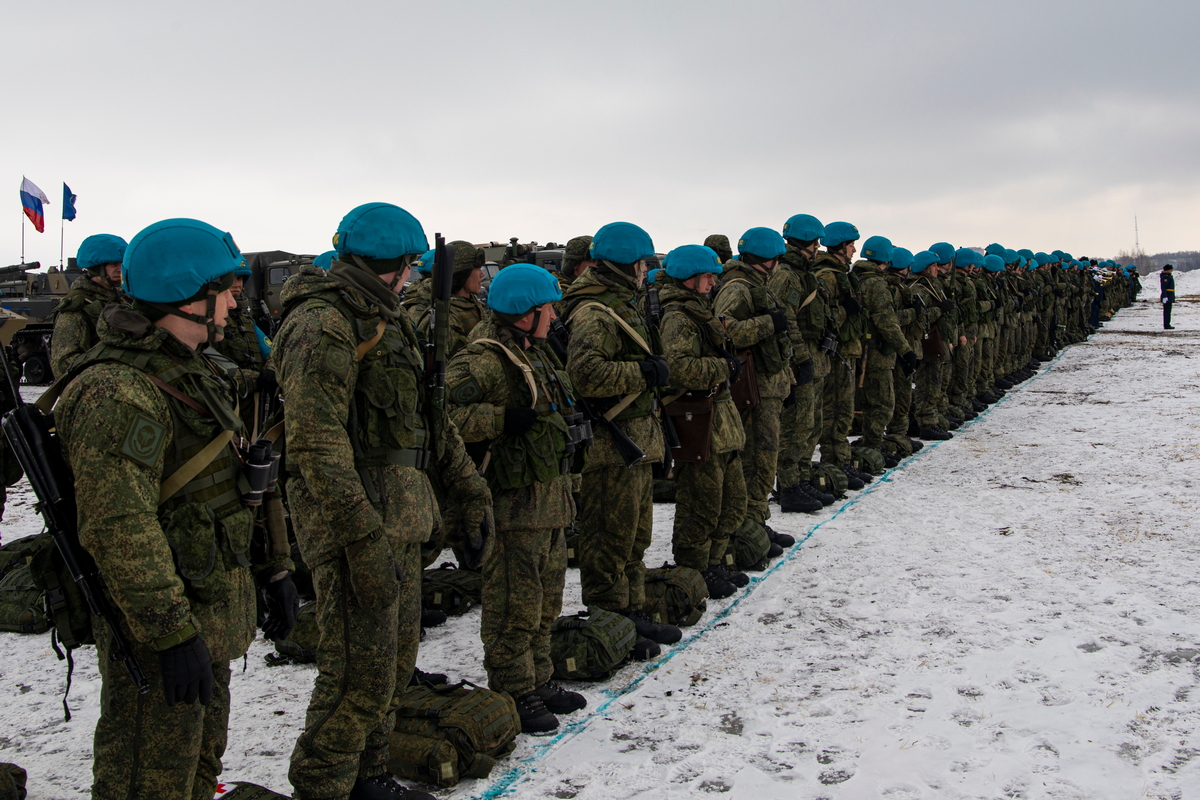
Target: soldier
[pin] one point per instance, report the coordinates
(911, 304)
(363, 443)
(962, 289)
(75, 317)
(576, 258)
(927, 381)
(615, 363)
(145, 405)
(758, 323)
(884, 342)
(1166, 284)
(417, 295)
(509, 393)
(710, 500)
(719, 244)
(466, 309)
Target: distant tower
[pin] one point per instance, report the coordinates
(1137, 247)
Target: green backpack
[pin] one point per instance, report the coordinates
(301, 645)
(18, 552)
(675, 595)
(22, 604)
(449, 732)
(12, 782)
(867, 459)
(831, 479)
(749, 546)
(451, 589)
(65, 606)
(898, 444)
(591, 647)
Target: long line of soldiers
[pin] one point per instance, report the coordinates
(756, 360)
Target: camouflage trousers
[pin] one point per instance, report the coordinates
(523, 583)
(878, 398)
(943, 401)
(146, 750)
(902, 387)
(616, 521)
(795, 427)
(760, 456)
(365, 659)
(807, 444)
(838, 409)
(984, 376)
(927, 388)
(710, 503)
(959, 391)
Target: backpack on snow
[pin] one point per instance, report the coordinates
(66, 610)
(451, 589)
(449, 732)
(898, 444)
(675, 595)
(829, 478)
(749, 546)
(22, 604)
(301, 645)
(867, 459)
(12, 782)
(591, 647)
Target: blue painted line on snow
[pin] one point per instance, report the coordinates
(515, 773)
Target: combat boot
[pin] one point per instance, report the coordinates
(853, 482)
(792, 499)
(825, 498)
(953, 423)
(659, 632)
(384, 787)
(432, 617)
(978, 406)
(718, 587)
(851, 472)
(917, 444)
(781, 539)
(535, 717)
(644, 649)
(890, 459)
(737, 578)
(936, 433)
(420, 678)
(558, 700)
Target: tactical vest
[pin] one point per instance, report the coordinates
(205, 523)
(855, 326)
(773, 354)
(80, 300)
(814, 318)
(643, 406)
(241, 342)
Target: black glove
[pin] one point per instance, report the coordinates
(947, 305)
(187, 673)
(779, 320)
(917, 302)
(735, 366)
(655, 371)
(908, 363)
(850, 303)
(267, 382)
(282, 602)
(518, 421)
(790, 400)
(477, 545)
(804, 372)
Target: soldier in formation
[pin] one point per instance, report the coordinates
(75, 317)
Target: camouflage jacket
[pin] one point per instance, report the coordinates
(880, 304)
(804, 301)
(985, 300)
(481, 384)
(359, 429)
(968, 304)
(744, 299)
(692, 340)
(602, 361)
(465, 314)
(240, 344)
(75, 321)
(836, 278)
(169, 567)
(418, 295)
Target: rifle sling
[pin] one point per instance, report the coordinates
(625, 401)
(180, 477)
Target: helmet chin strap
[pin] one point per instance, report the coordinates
(210, 312)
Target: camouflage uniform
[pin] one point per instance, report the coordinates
(710, 499)
(927, 382)
(884, 341)
(838, 393)
(75, 320)
(465, 314)
(960, 394)
(524, 577)
(719, 243)
(616, 514)
(122, 435)
(914, 313)
(744, 299)
(418, 297)
(359, 437)
(985, 297)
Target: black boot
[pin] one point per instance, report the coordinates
(718, 587)
(825, 497)
(851, 472)
(736, 577)
(426, 678)
(792, 499)
(890, 459)
(659, 632)
(936, 433)
(917, 444)
(535, 717)
(558, 700)
(853, 482)
(978, 406)
(781, 539)
(384, 787)
(644, 649)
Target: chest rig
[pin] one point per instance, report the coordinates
(774, 353)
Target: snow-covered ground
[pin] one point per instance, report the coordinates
(1009, 614)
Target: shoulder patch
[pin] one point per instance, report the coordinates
(793, 298)
(465, 393)
(144, 439)
(335, 359)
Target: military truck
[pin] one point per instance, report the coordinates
(269, 269)
(32, 296)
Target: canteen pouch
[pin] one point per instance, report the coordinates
(693, 418)
(22, 604)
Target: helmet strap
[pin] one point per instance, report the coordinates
(212, 290)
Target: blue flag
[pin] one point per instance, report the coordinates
(68, 208)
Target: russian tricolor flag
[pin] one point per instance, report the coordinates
(31, 200)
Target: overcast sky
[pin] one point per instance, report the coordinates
(1044, 124)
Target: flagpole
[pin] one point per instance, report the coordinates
(61, 226)
(22, 235)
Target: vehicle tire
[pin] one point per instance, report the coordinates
(37, 370)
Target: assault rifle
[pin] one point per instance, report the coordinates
(439, 329)
(38, 450)
(670, 435)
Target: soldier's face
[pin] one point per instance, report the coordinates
(475, 282)
(238, 282)
(113, 272)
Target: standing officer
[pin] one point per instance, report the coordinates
(466, 309)
(1166, 283)
(510, 394)
(710, 499)
(616, 363)
(74, 319)
(363, 444)
(143, 406)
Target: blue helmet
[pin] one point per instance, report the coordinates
(966, 257)
(379, 231)
(99, 249)
(325, 260)
(1009, 256)
(993, 263)
(424, 264)
(242, 270)
(174, 260)
(902, 258)
(804, 227)
(1043, 259)
(621, 243)
(764, 243)
(518, 288)
(944, 251)
(652, 275)
(1026, 253)
(839, 233)
(690, 260)
(1068, 257)
(922, 260)
(994, 249)
(878, 248)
